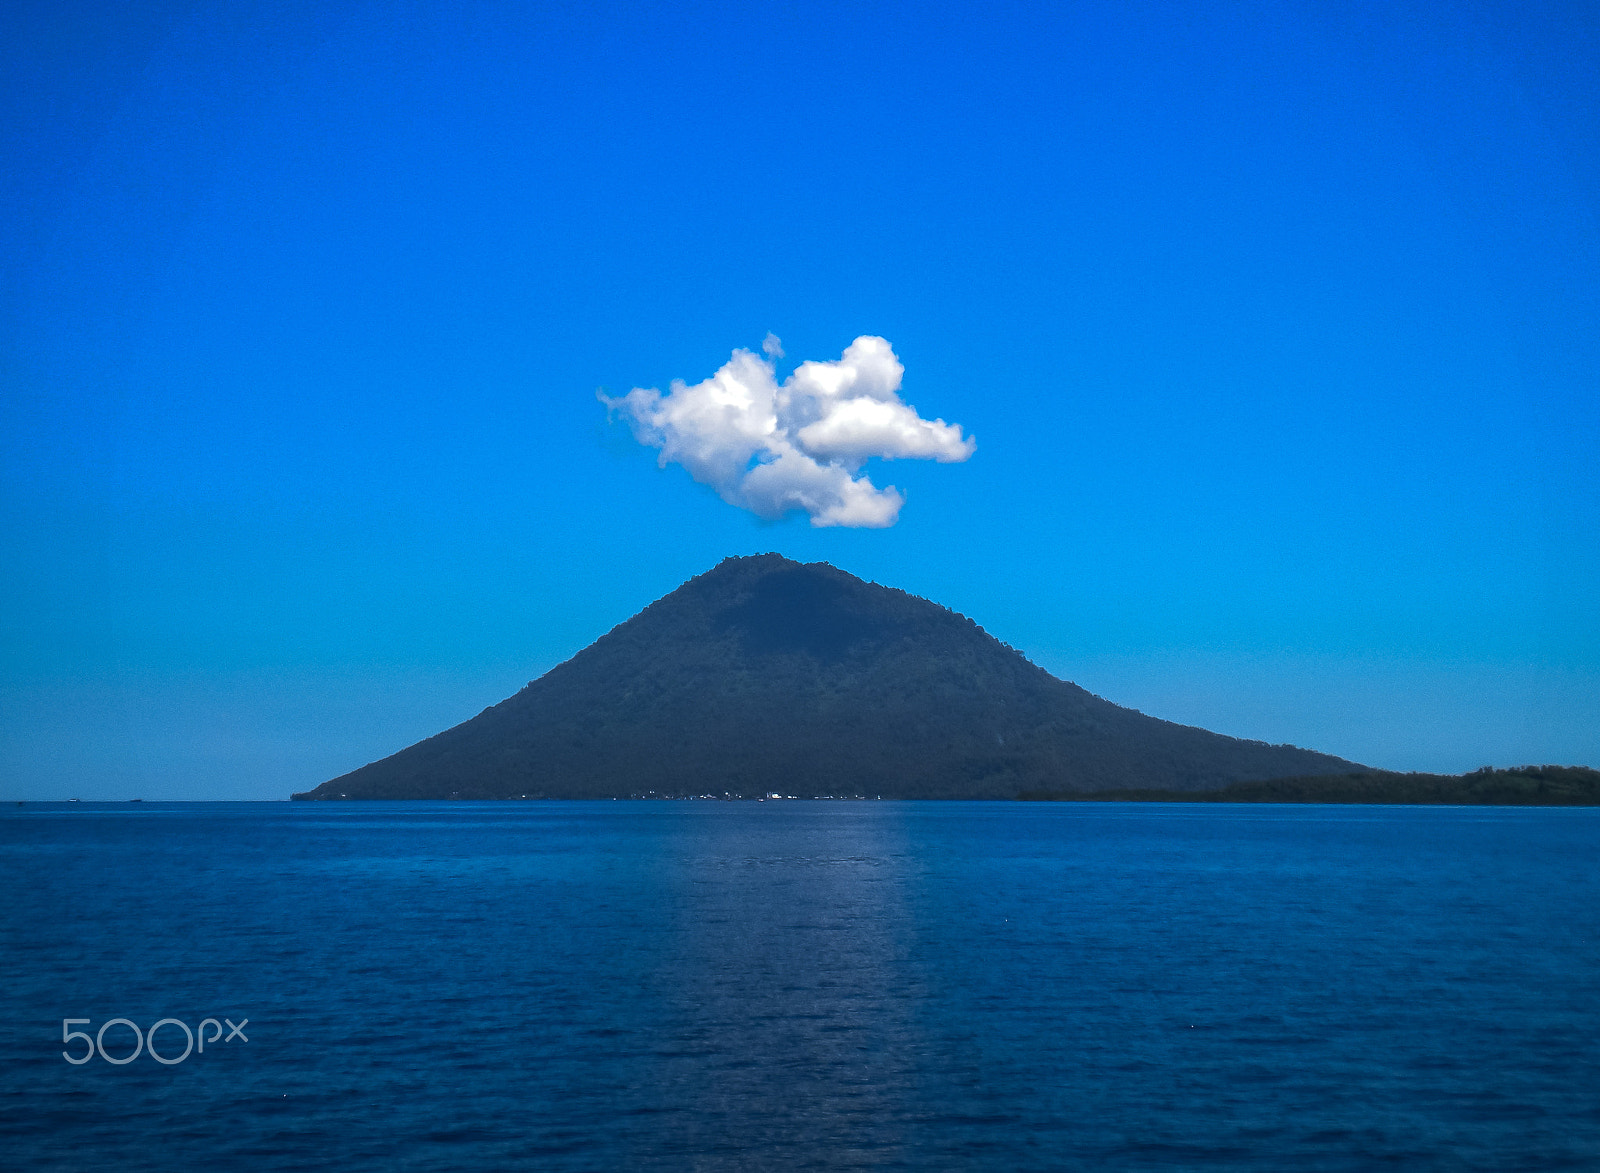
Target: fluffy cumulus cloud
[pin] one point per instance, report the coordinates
(773, 447)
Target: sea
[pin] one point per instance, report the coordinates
(793, 984)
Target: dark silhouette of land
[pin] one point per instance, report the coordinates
(765, 675)
(1520, 786)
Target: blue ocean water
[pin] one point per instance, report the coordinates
(803, 985)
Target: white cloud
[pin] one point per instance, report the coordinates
(774, 448)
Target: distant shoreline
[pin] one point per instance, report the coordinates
(1521, 786)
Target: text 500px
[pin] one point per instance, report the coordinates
(146, 1040)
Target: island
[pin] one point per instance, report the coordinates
(1517, 786)
(764, 675)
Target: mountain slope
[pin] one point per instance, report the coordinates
(768, 675)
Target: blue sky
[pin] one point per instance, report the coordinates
(1275, 324)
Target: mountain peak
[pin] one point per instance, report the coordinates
(768, 674)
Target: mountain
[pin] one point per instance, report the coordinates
(766, 675)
